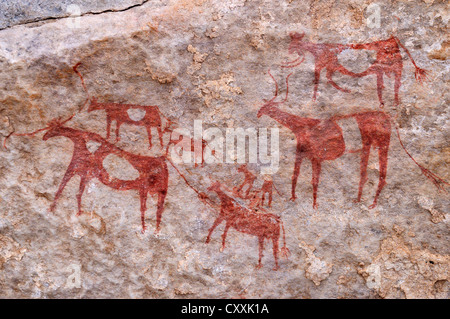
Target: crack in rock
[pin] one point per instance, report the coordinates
(68, 15)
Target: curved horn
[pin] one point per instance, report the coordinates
(68, 119)
(75, 69)
(6, 138)
(23, 134)
(291, 63)
(276, 84)
(287, 87)
(52, 122)
(58, 121)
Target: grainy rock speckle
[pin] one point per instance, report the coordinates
(208, 60)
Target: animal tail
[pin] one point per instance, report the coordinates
(75, 69)
(284, 251)
(420, 74)
(437, 181)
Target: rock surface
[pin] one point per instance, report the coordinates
(208, 60)
(28, 11)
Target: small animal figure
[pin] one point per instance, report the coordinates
(249, 179)
(245, 220)
(119, 113)
(267, 188)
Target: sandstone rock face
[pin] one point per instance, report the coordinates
(351, 77)
(28, 11)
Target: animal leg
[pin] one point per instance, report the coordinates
(160, 209)
(316, 167)
(67, 176)
(261, 249)
(83, 182)
(224, 235)
(149, 133)
(316, 82)
(108, 127)
(118, 124)
(216, 223)
(298, 163)
(203, 157)
(330, 80)
(341, 69)
(397, 84)
(247, 192)
(270, 199)
(240, 188)
(383, 159)
(143, 198)
(160, 134)
(275, 251)
(380, 86)
(365, 152)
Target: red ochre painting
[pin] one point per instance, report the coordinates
(242, 207)
(389, 62)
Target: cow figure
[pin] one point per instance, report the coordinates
(389, 62)
(245, 220)
(153, 173)
(119, 113)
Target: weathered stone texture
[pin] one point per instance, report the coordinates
(208, 60)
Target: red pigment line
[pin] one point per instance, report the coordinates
(202, 196)
(52, 122)
(437, 181)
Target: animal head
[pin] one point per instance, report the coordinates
(268, 104)
(296, 42)
(53, 128)
(94, 105)
(296, 46)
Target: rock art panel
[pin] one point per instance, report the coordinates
(388, 62)
(99, 121)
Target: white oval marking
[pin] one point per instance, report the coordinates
(351, 134)
(136, 114)
(92, 146)
(120, 168)
(357, 60)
